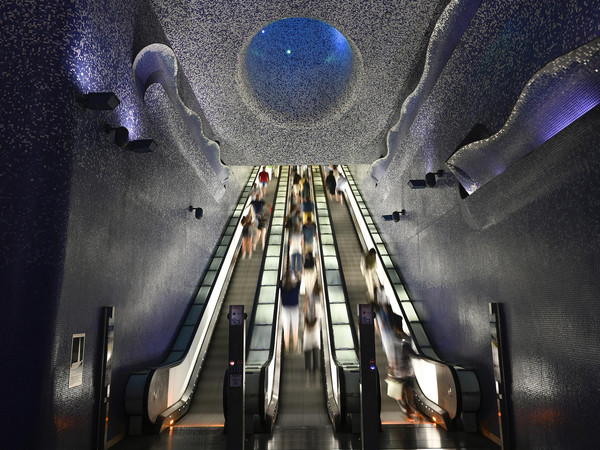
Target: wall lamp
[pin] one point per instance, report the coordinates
(141, 145)
(121, 134)
(429, 181)
(417, 184)
(198, 212)
(395, 216)
(430, 177)
(100, 101)
(122, 140)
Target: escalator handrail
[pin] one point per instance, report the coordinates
(345, 291)
(335, 400)
(273, 357)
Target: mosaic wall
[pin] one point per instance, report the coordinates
(523, 240)
(88, 224)
(387, 39)
(85, 224)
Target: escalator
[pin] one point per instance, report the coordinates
(206, 409)
(302, 402)
(187, 387)
(446, 394)
(350, 255)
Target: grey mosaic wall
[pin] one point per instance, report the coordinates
(524, 241)
(86, 224)
(388, 40)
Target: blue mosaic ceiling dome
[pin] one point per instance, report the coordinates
(299, 67)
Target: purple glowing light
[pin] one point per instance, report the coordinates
(127, 119)
(567, 113)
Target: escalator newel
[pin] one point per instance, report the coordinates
(235, 379)
(369, 379)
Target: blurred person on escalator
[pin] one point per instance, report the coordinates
(401, 381)
(296, 184)
(330, 183)
(368, 267)
(308, 207)
(254, 192)
(309, 236)
(305, 187)
(261, 228)
(311, 343)
(258, 207)
(397, 346)
(295, 250)
(309, 272)
(263, 179)
(290, 291)
(247, 226)
(340, 187)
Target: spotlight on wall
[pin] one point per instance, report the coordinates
(430, 177)
(417, 184)
(198, 212)
(100, 101)
(121, 134)
(395, 216)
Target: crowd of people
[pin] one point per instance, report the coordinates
(301, 291)
(255, 222)
(299, 285)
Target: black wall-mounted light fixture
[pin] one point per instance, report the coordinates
(122, 140)
(430, 179)
(142, 145)
(100, 101)
(417, 184)
(395, 216)
(121, 134)
(198, 212)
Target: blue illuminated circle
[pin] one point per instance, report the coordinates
(299, 67)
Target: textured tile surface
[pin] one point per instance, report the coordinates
(84, 224)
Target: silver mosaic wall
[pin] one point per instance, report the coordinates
(519, 241)
(85, 224)
(555, 97)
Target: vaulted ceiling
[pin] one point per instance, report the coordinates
(388, 40)
(465, 62)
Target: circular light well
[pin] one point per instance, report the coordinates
(299, 67)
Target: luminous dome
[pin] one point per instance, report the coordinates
(299, 67)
